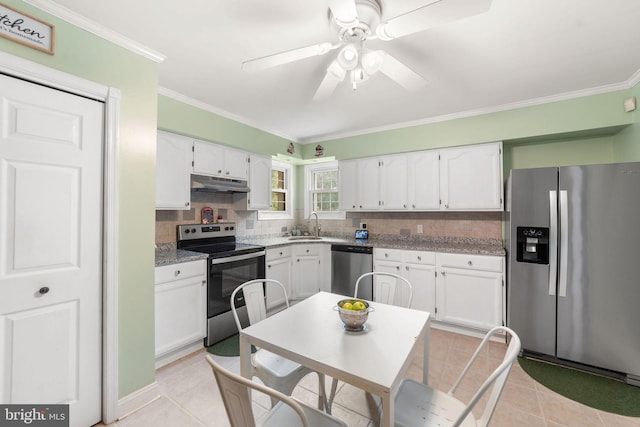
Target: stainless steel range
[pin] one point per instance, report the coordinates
(229, 265)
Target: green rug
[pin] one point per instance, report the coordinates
(228, 347)
(606, 394)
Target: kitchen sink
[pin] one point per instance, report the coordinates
(305, 238)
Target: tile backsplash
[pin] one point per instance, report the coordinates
(478, 225)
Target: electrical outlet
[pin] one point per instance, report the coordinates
(420, 229)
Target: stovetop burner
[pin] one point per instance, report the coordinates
(217, 240)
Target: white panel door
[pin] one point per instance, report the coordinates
(50, 250)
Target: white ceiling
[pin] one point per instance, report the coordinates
(519, 52)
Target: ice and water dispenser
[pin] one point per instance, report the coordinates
(532, 245)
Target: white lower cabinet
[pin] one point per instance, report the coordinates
(180, 307)
(278, 263)
(458, 289)
(470, 290)
(311, 269)
(418, 267)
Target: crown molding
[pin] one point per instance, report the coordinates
(227, 115)
(628, 84)
(94, 28)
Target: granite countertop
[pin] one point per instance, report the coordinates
(167, 253)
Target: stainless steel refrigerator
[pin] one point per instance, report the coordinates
(573, 242)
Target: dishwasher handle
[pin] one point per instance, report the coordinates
(359, 249)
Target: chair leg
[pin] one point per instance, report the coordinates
(332, 395)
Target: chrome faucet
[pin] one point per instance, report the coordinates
(317, 227)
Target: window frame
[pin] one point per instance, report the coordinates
(309, 170)
(288, 182)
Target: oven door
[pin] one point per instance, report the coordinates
(226, 274)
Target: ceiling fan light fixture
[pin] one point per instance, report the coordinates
(349, 57)
(372, 61)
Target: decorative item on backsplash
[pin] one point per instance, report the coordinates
(207, 215)
(319, 150)
(291, 149)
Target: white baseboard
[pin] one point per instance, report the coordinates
(138, 399)
(174, 355)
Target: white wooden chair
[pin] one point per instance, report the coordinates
(274, 371)
(417, 404)
(385, 288)
(286, 412)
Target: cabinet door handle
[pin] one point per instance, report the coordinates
(307, 250)
(176, 273)
(397, 267)
(226, 173)
(186, 203)
(219, 170)
(442, 273)
(43, 290)
(269, 266)
(405, 205)
(470, 263)
(419, 258)
(413, 206)
(406, 267)
(446, 206)
(386, 255)
(298, 260)
(280, 253)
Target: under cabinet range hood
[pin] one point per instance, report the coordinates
(210, 184)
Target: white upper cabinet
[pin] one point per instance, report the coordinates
(259, 182)
(424, 180)
(216, 160)
(173, 171)
(471, 177)
(393, 182)
(347, 177)
(462, 178)
(368, 183)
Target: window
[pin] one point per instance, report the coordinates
(322, 195)
(281, 194)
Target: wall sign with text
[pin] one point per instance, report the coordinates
(25, 29)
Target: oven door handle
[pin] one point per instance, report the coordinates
(224, 260)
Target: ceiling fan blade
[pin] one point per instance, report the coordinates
(345, 13)
(400, 73)
(288, 56)
(335, 75)
(435, 13)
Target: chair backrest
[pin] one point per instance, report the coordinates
(254, 299)
(495, 381)
(236, 396)
(386, 290)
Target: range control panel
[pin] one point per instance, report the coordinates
(203, 231)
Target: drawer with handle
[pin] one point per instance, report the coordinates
(183, 270)
(472, 262)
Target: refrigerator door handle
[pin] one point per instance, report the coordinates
(564, 243)
(553, 241)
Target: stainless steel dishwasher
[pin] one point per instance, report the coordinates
(348, 262)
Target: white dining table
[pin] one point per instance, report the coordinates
(374, 360)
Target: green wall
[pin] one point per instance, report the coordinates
(82, 54)
(627, 142)
(185, 119)
(591, 113)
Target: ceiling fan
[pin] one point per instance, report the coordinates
(357, 21)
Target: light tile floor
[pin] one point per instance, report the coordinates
(190, 397)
